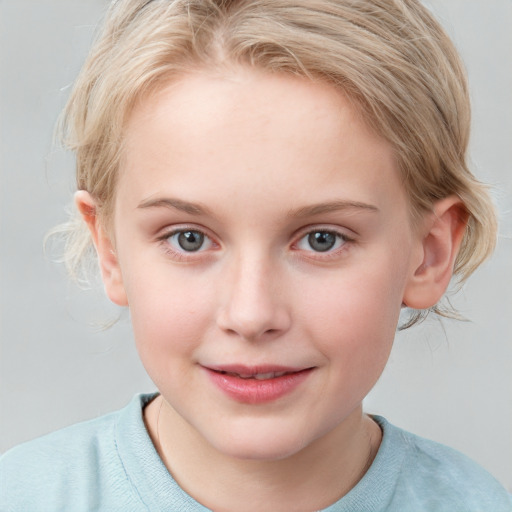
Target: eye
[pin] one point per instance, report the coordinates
(322, 241)
(189, 240)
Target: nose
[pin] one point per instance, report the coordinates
(254, 306)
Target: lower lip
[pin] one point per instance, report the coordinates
(254, 391)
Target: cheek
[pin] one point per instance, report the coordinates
(169, 312)
(355, 316)
(366, 298)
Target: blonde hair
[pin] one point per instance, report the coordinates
(391, 57)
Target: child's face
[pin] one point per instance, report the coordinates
(260, 227)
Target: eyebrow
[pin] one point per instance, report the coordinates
(332, 206)
(304, 211)
(177, 204)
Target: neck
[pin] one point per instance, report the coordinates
(312, 479)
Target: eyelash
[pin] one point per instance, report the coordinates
(182, 254)
(341, 241)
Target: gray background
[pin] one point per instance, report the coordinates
(449, 382)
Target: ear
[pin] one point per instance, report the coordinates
(109, 265)
(442, 236)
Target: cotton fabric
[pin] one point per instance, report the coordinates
(110, 464)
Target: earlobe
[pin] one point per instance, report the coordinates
(443, 234)
(109, 265)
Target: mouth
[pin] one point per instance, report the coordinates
(257, 385)
(257, 376)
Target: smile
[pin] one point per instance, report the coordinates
(257, 385)
(257, 376)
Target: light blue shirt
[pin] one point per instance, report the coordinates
(110, 464)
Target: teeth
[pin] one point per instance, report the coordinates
(265, 376)
(258, 376)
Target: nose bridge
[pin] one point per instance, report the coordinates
(253, 306)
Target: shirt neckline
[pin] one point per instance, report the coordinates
(156, 487)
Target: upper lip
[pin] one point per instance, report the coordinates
(251, 371)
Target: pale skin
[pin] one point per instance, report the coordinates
(254, 164)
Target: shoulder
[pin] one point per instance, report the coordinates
(85, 438)
(73, 465)
(441, 478)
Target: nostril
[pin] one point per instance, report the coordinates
(253, 315)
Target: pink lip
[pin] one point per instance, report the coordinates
(251, 390)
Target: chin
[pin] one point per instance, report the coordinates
(261, 442)
(260, 451)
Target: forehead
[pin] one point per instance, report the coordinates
(251, 131)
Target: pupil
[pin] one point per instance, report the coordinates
(321, 241)
(190, 240)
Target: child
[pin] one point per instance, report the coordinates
(267, 184)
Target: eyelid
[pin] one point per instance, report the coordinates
(347, 239)
(329, 228)
(182, 255)
(207, 242)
